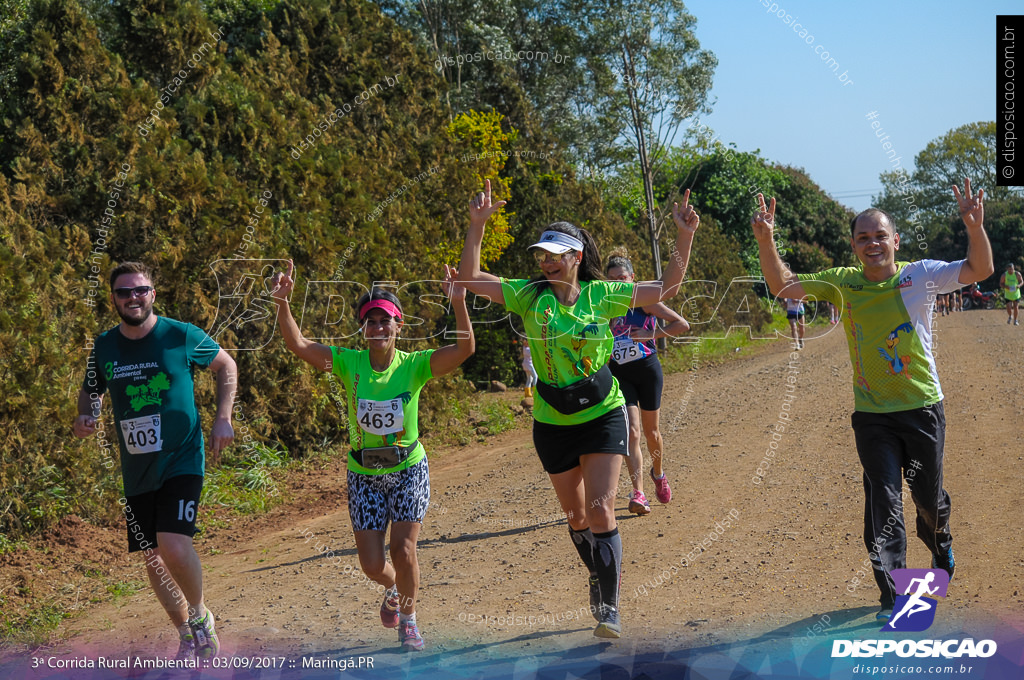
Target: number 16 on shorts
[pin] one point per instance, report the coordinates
(186, 511)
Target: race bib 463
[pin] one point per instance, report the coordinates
(381, 417)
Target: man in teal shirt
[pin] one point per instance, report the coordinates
(147, 364)
(898, 422)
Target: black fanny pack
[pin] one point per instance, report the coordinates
(581, 394)
(380, 457)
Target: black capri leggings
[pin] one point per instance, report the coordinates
(641, 382)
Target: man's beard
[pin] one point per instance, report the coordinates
(132, 321)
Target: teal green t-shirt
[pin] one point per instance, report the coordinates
(570, 343)
(383, 408)
(153, 397)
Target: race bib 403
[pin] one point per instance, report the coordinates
(142, 435)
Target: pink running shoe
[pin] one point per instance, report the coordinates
(389, 611)
(638, 504)
(409, 636)
(661, 488)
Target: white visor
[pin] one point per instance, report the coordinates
(557, 242)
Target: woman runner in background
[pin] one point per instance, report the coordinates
(388, 477)
(580, 428)
(795, 314)
(531, 372)
(636, 366)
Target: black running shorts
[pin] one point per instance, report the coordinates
(641, 382)
(560, 446)
(170, 509)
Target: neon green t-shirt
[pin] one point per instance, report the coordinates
(888, 330)
(1012, 283)
(383, 408)
(570, 343)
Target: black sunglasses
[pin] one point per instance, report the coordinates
(128, 293)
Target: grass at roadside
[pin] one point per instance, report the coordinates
(717, 348)
(35, 623)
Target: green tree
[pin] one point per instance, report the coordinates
(645, 74)
(812, 228)
(925, 211)
(487, 147)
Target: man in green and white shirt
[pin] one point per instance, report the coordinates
(898, 418)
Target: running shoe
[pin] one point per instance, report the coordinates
(1009, 320)
(885, 613)
(1016, 322)
(186, 648)
(595, 597)
(661, 488)
(638, 504)
(409, 636)
(945, 562)
(389, 609)
(207, 644)
(609, 625)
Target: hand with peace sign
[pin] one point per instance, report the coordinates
(777, 276)
(979, 265)
(314, 353)
(763, 221)
(685, 217)
(448, 358)
(649, 293)
(482, 283)
(972, 209)
(481, 207)
(452, 289)
(281, 285)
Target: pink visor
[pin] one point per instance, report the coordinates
(386, 305)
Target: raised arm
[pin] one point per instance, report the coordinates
(222, 433)
(649, 293)
(447, 359)
(979, 264)
(676, 325)
(781, 281)
(313, 353)
(480, 282)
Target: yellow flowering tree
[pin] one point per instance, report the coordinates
(486, 144)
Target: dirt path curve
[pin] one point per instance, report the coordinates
(494, 548)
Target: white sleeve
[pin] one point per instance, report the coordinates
(945, 276)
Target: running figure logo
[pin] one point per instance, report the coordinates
(244, 303)
(913, 611)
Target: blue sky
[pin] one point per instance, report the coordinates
(925, 67)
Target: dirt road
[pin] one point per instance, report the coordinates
(502, 589)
